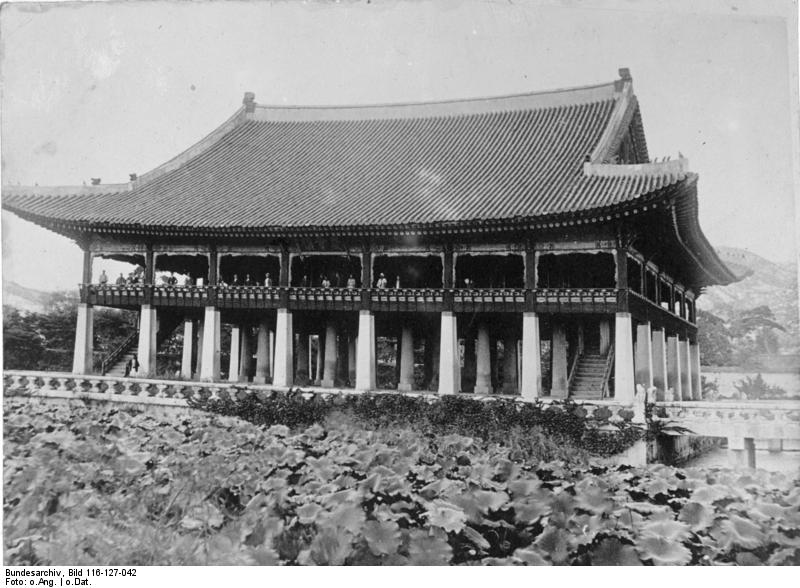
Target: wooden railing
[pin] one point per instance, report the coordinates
(516, 300)
(607, 373)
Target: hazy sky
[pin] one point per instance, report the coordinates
(103, 90)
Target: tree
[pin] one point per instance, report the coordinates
(714, 339)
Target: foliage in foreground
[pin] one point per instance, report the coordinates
(101, 486)
(566, 422)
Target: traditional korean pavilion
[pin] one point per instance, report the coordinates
(521, 244)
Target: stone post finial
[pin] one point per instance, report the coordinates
(625, 73)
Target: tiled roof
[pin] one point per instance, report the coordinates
(502, 158)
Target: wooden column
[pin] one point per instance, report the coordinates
(530, 268)
(366, 269)
(212, 266)
(283, 278)
(622, 267)
(320, 366)
(149, 266)
(447, 267)
(88, 259)
(406, 382)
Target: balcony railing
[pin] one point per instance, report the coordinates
(512, 300)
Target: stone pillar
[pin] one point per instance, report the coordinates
(449, 365)
(686, 369)
(365, 352)
(469, 374)
(199, 352)
(186, 356)
(697, 387)
(147, 340)
(351, 359)
(209, 361)
(262, 354)
(283, 366)
(741, 452)
(605, 337)
(329, 376)
(301, 375)
(560, 370)
(644, 356)
(483, 368)
(624, 384)
(531, 386)
(320, 366)
(493, 361)
(246, 356)
(406, 382)
(659, 348)
(82, 359)
(233, 366)
(673, 370)
(509, 365)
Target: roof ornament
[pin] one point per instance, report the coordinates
(132, 177)
(95, 181)
(249, 102)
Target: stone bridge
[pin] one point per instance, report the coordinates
(741, 422)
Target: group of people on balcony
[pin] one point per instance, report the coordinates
(133, 278)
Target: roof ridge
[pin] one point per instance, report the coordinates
(443, 108)
(77, 190)
(427, 102)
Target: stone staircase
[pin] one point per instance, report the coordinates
(588, 381)
(130, 347)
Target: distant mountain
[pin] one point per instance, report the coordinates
(28, 299)
(766, 284)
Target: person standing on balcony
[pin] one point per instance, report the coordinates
(187, 281)
(397, 283)
(103, 278)
(121, 280)
(351, 282)
(248, 281)
(326, 283)
(381, 281)
(236, 281)
(304, 282)
(268, 281)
